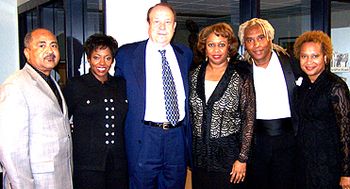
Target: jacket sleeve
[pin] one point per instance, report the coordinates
(14, 137)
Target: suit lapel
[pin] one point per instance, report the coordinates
(64, 106)
(42, 85)
(180, 58)
(288, 74)
(138, 64)
(183, 67)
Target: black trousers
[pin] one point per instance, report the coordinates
(110, 178)
(85, 179)
(202, 179)
(1, 180)
(273, 162)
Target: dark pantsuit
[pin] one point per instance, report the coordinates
(108, 179)
(273, 162)
(202, 179)
(99, 181)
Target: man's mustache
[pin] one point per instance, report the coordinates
(50, 56)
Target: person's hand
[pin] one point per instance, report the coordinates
(238, 172)
(345, 182)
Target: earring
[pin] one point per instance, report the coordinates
(206, 59)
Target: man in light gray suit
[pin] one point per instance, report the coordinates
(35, 140)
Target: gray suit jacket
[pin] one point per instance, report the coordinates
(35, 139)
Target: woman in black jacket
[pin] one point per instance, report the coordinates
(97, 104)
(322, 102)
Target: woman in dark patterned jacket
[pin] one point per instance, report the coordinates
(97, 101)
(322, 103)
(222, 103)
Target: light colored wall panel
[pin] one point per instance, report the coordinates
(9, 38)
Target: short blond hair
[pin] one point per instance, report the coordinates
(268, 31)
(266, 27)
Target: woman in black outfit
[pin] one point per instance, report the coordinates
(222, 104)
(322, 103)
(98, 105)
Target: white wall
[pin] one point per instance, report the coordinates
(9, 38)
(126, 20)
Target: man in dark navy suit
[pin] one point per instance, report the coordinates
(158, 149)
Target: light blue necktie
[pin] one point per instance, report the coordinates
(170, 95)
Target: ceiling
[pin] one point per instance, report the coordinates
(202, 10)
(216, 8)
(220, 8)
(207, 11)
(224, 7)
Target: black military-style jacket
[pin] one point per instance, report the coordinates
(98, 112)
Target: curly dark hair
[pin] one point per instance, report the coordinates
(100, 41)
(220, 29)
(317, 37)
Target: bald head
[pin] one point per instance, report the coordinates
(41, 50)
